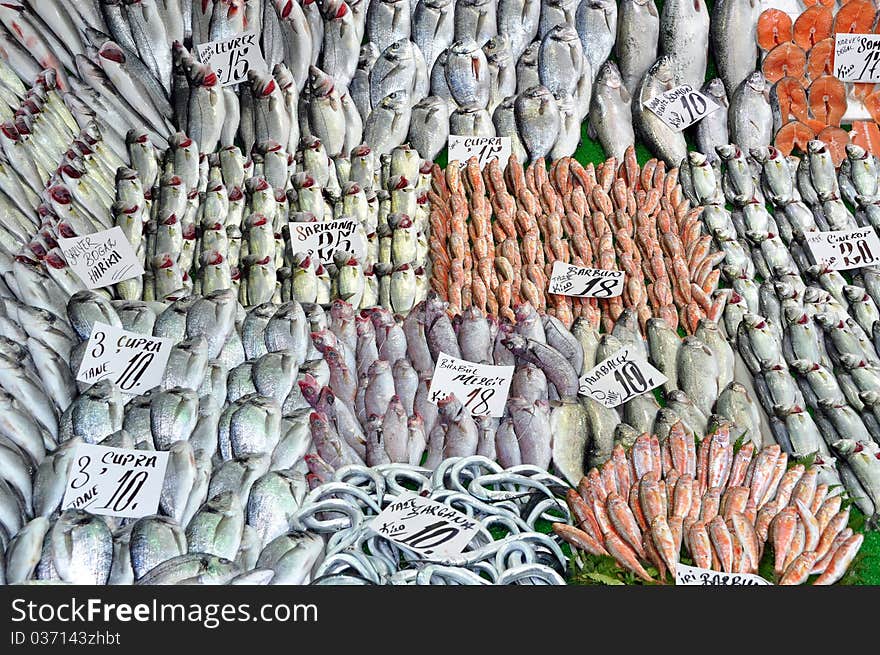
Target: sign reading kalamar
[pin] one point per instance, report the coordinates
(231, 59)
(101, 259)
(484, 148)
(135, 362)
(481, 388)
(115, 481)
(620, 377)
(425, 526)
(682, 106)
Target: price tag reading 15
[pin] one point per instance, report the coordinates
(484, 148)
(231, 59)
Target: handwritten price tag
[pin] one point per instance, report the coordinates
(325, 238)
(619, 378)
(484, 148)
(857, 57)
(135, 362)
(102, 258)
(481, 388)
(425, 526)
(232, 58)
(570, 280)
(845, 249)
(693, 576)
(115, 481)
(681, 107)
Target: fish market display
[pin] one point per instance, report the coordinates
(719, 505)
(384, 72)
(807, 335)
(609, 217)
(511, 499)
(318, 273)
(808, 101)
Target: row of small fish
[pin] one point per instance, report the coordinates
(806, 335)
(609, 217)
(722, 504)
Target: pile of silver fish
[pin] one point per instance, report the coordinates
(806, 335)
(511, 500)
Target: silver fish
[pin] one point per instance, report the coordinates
(638, 34)
(661, 140)
(611, 112)
(684, 40)
(538, 120)
(733, 36)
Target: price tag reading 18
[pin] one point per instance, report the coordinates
(620, 377)
(115, 481)
(681, 107)
(845, 249)
(482, 388)
(135, 362)
(857, 57)
(425, 526)
(570, 280)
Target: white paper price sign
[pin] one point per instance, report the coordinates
(697, 577)
(484, 148)
(323, 239)
(102, 258)
(845, 249)
(681, 107)
(135, 362)
(232, 58)
(620, 377)
(570, 280)
(482, 388)
(425, 526)
(115, 481)
(857, 57)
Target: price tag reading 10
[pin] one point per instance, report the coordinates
(135, 362)
(681, 107)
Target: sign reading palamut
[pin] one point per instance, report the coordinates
(135, 362)
(115, 481)
(102, 258)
